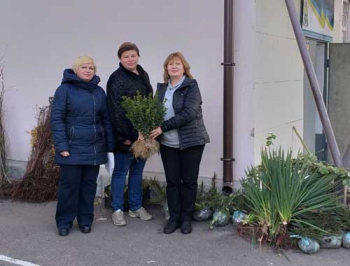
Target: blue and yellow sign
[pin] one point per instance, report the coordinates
(318, 19)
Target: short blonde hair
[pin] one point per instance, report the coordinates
(84, 59)
(183, 61)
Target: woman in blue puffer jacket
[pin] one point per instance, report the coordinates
(82, 135)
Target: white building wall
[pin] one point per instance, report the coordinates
(338, 17)
(279, 75)
(244, 58)
(278, 88)
(44, 37)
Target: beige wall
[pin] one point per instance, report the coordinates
(279, 75)
(278, 88)
(338, 14)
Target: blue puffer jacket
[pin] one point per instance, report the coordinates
(80, 122)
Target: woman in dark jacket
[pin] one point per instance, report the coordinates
(128, 80)
(182, 136)
(82, 135)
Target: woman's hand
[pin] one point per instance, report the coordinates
(64, 153)
(141, 137)
(156, 132)
(127, 142)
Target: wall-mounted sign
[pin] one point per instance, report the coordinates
(318, 19)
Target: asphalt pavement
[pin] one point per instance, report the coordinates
(28, 237)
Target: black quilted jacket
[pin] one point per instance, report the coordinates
(123, 82)
(188, 119)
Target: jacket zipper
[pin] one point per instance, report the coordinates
(71, 134)
(93, 97)
(162, 99)
(103, 132)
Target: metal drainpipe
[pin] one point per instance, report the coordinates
(228, 65)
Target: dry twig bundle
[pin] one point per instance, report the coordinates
(40, 180)
(4, 180)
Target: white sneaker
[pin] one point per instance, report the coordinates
(118, 218)
(141, 213)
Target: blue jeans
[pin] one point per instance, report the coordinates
(124, 163)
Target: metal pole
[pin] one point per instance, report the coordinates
(228, 98)
(346, 157)
(310, 71)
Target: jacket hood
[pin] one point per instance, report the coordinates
(69, 77)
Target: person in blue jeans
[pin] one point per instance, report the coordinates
(82, 136)
(128, 80)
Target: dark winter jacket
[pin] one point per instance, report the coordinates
(188, 119)
(121, 83)
(80, 122)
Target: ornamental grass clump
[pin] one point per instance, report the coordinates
(286, 197)
(146, 114)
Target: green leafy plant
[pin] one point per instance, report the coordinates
(222, 205)
(324, 168)
(207, 199)
(313, 165)
(283, 194)
(153, 193)
(146, 114)
(269, 139)
(157, 191)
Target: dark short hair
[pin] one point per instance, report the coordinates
(127, 46)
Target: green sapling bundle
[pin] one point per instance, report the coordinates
(145, 113)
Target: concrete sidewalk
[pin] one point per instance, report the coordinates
(28, 233)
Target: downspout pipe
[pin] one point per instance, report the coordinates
(310, 71)
(228, 65)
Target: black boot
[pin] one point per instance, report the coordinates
(186, 227)
(85, 229)
(63, 231)
(170, 227)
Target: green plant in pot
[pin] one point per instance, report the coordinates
(204, 201)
